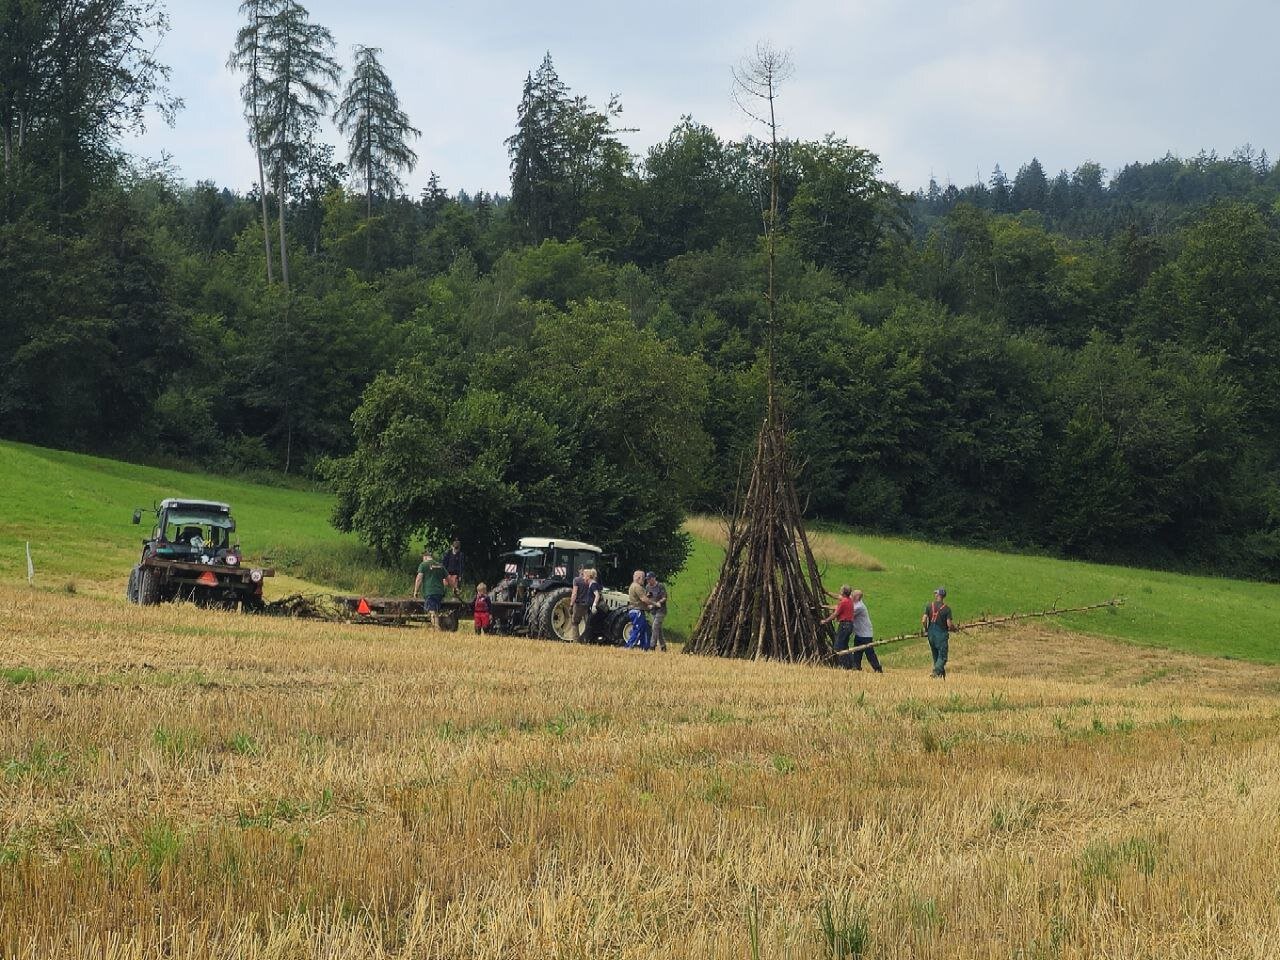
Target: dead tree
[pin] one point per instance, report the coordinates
(767, 603)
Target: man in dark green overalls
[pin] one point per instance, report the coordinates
(938, 625)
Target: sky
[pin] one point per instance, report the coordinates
(934, 88)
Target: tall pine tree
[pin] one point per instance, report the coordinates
(300, 76)
(377, 129)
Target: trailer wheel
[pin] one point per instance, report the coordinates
(148, 587)
(131, 591)
(558, 615)
(448, 621)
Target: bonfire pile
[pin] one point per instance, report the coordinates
(768, 602)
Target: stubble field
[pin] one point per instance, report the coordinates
(183, 783)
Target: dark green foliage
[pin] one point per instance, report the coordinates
(1073, 363)
(556, 434)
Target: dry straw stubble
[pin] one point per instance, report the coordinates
(216, 786)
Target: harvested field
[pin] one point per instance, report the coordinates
(186, 783)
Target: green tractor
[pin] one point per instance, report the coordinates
(191, 554)
(533, 596)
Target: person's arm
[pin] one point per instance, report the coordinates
(573, 594)
(417, 584)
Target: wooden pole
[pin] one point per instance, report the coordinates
(988, 622)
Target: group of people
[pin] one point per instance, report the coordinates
(855, 638)
(647, 609)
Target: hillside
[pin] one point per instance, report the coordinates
(75, 511)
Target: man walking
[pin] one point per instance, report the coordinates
(637, 604)
(862, 634)
(430, 581)
(938, 626)
(657, 597)
(843, 614)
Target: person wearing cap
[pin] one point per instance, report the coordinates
(430, 581)
(938, 625)
(657, 597)
(637, 605)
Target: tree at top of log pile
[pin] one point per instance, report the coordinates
(767, 603)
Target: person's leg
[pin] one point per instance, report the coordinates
(943, 643)
(646, 636)
(843, 632)
(658, 640)
(872, 659)
(933, 651)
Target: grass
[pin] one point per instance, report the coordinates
(75, 511)
(1210, 616)
(315, 789)
(176, 781)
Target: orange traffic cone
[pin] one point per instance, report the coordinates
(362, 607)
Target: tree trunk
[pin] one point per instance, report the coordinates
(266, 225)
(262, 185)
(284, 247)
(368, 209)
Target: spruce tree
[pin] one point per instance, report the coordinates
(247, 56)
(377, 130)
(299, 77)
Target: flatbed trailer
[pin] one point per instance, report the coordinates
(403, 610)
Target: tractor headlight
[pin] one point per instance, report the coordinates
(232, 560)
(255, 575)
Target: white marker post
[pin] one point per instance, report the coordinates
(31, 569)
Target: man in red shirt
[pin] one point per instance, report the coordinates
(843, 613)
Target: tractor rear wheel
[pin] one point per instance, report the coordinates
(557, 613)
(148, 587)
(131, 591)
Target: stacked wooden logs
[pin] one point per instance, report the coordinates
(767, 603)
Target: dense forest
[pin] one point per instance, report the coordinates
(1079, 363)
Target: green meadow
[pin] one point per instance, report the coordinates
(75, 511)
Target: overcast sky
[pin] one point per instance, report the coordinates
(943, 88)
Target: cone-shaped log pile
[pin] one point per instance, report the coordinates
(767, 603)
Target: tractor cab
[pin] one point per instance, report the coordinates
(197, 531)
(542, 562)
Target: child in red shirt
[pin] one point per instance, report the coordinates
(481, 609)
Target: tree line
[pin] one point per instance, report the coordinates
(1078, 364)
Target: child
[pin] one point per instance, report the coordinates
(481, 610)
